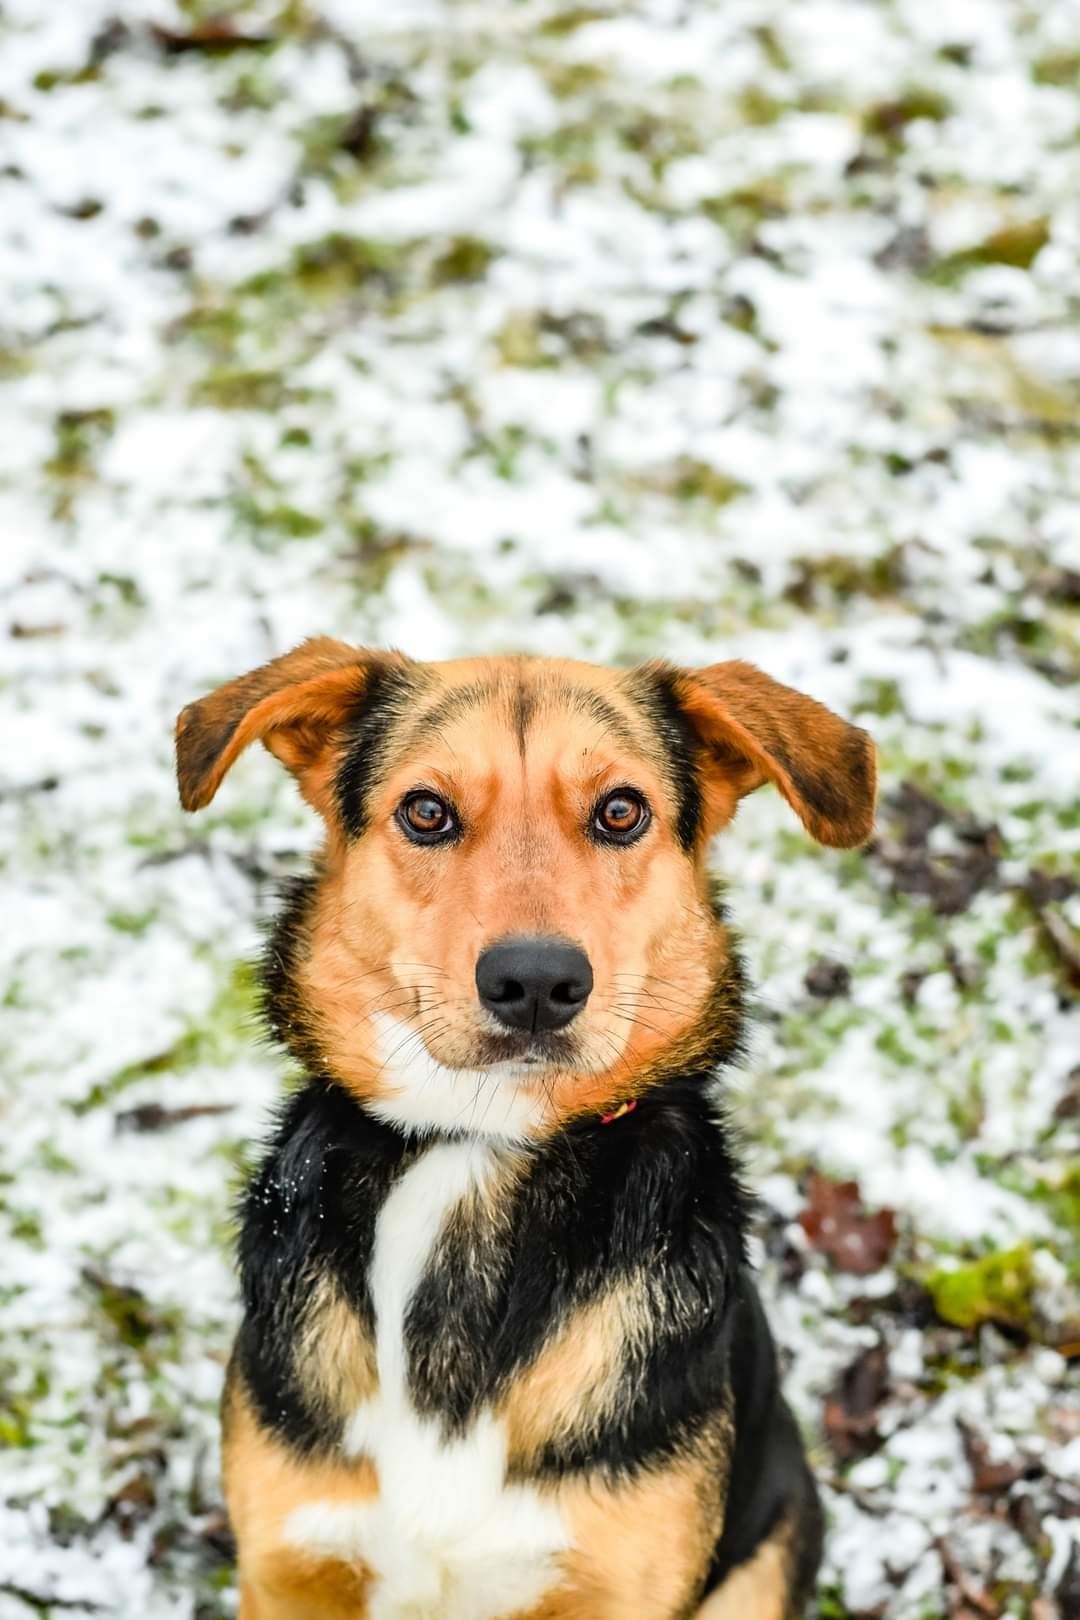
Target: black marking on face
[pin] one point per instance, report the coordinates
(523, 709)
(458, 700)
(656, 692)
(386, 701)
(596, 707)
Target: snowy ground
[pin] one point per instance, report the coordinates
(742, 327)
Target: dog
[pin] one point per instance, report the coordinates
(501, 1352)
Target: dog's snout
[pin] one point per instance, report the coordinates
(534, 983)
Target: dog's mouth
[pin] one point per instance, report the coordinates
(543, 1050)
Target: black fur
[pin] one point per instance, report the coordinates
(657, 1189)
(655, 689)
(282, 1006)
(387, 696)
(309, 1210)
(769, 1472)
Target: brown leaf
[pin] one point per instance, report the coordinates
(949, 879)
(155, 1117)
(132, 1503)
(1047, 888)
(826, 978)
(851, 1406)
(970, 1599)
(1065, 942)
(1068, 1104)
(216, 35)
(838, 1226)
(988, 1478)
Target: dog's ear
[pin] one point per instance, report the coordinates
(754, 730)
(297, 706)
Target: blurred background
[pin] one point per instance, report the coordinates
(696, 329)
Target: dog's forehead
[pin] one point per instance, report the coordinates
(535, 703)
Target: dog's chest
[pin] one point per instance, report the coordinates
(447, 1534)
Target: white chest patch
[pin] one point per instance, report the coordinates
(447, 1537)
(422, 1094)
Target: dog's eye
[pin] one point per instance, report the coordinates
(425, 817)
(621, 817)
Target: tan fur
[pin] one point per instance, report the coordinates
(264, 1484)
(758, 1589)
(572, 1386)
(637, 1544)
(761, 731)
(335, 1360)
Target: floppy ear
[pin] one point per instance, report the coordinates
(755, 730)
(297, 706)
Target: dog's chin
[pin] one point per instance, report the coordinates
(512, 1054)
(493, 1084)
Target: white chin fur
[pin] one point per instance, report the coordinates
(422, 1094)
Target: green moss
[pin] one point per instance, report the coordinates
(841, 577)
(889, 119)
(131, 922)
(79, 436)
(566, 80)
(574, 147)
(745, 209)
(14, 363)
(503, 449)
(17, 1405)
(755, 105)
(518, 342)
(339, 263)
(689, 479)
(568, 21)
(1018, 244)
(831, 1605)
(1058, 68)
(466, 258)
(997, 1288)
(130, 1315)
(1060, 1196)
(882, 696)
(227, 388)
(279, 518)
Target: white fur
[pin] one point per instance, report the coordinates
(422, 1094)
(446, 1535)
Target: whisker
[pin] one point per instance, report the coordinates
(638, 1023)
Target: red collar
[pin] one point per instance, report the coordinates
(623, 1108)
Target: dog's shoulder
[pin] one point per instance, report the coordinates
(307, 1228)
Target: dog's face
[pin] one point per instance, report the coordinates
(511, 924)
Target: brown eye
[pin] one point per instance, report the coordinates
(425, 817)
(621, 817)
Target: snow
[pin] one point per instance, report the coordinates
(657, 348)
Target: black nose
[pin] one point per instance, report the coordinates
(533, 983)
